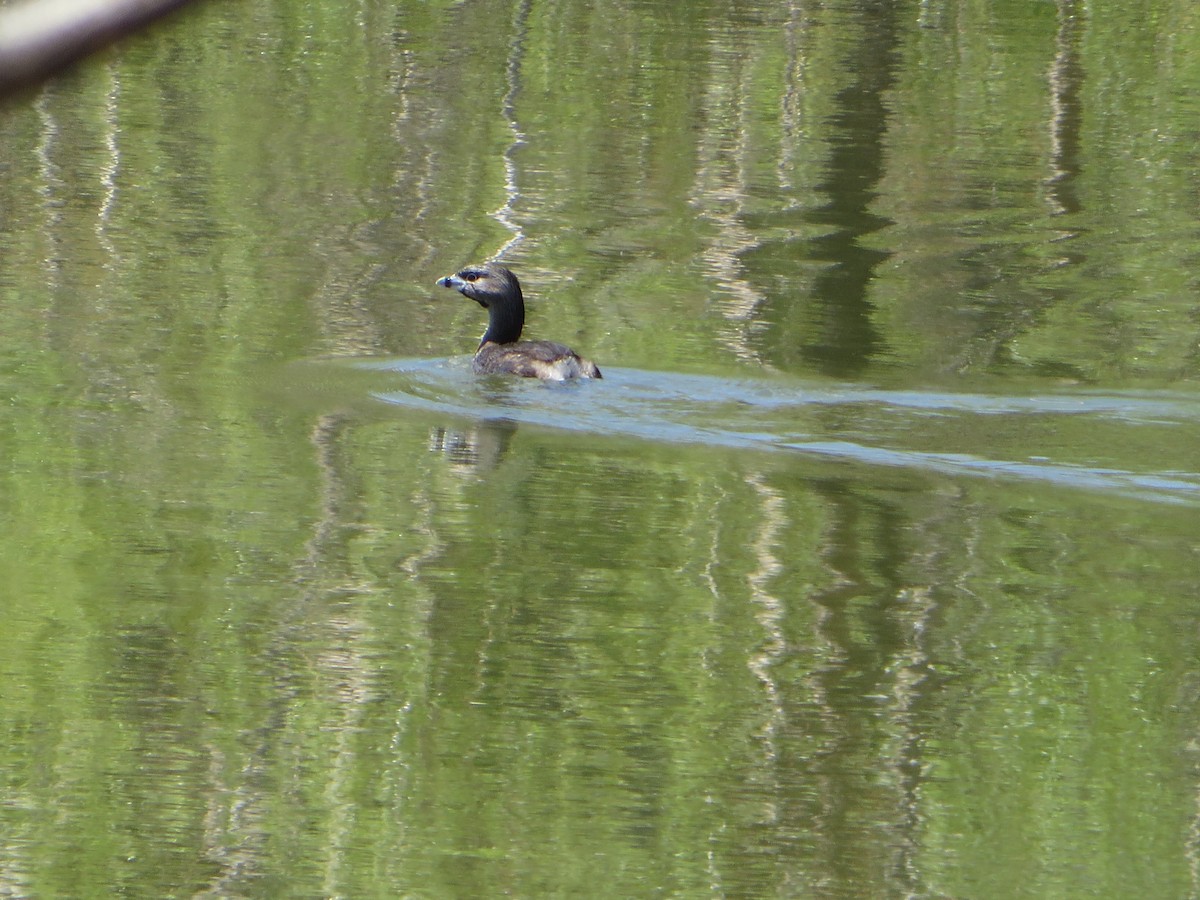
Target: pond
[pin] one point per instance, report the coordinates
(869, 569)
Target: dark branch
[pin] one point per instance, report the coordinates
(40, 37)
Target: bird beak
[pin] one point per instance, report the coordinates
(451, 281)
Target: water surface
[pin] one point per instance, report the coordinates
(868, 570)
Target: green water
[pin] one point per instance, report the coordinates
(870, 569)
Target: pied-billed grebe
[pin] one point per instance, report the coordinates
(500, 351)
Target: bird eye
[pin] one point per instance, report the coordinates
(471, 276)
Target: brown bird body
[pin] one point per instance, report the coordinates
(501, 351)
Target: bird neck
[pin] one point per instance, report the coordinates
(505, 321)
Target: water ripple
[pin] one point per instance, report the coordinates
(1080, 439)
